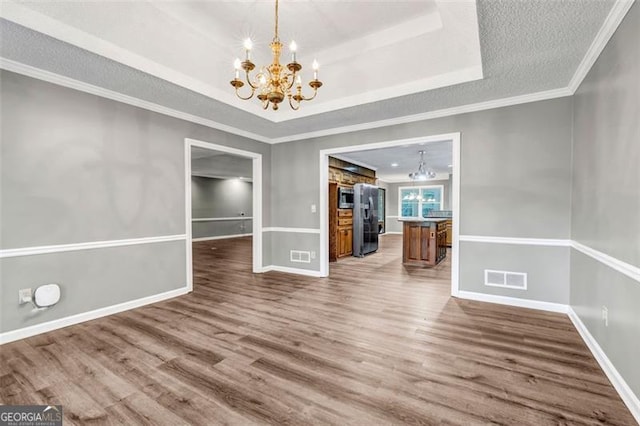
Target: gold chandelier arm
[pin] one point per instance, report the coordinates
(293, 80)
(253, 86)
(305, 98)
(296, 107)
(315, 92)
(253, 91)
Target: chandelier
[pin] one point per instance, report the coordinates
(273, 82)
(422, 173)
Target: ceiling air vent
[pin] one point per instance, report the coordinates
(506, 279)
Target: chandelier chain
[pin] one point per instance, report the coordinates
(276, 29)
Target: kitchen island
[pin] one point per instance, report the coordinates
(424, 240)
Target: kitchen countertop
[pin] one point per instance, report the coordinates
(423, 219)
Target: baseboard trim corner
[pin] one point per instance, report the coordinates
(33, 330)
(297, 271)
(513, 301)
(628, 397)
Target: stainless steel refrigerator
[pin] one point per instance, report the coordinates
(365, 219)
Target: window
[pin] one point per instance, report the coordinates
(418, 201)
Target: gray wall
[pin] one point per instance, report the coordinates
(79, 168)
(515, 182)
(220, 198)
(393, 225)
(606, 197)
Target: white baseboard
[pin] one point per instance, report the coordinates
(625, 392)
(392, 233)
(514, 301)
(221, 237)
(288, 270)
(23, 333)
(623, 389)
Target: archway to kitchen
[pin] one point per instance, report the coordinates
(417, 144)
(235, 221)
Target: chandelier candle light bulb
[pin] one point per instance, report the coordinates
(274, 82)
(236, 65)
(248, 44)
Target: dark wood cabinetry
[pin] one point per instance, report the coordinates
(345, 241)
(424, 242)
(340, 227)
(343, 174)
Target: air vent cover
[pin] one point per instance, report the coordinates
(299, 256)
(506, 279)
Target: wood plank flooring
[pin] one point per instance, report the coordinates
(376, 343)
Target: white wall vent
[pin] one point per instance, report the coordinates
(299, 256)
(506, 279)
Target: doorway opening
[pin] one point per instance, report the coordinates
(223, 198)
(447, 196)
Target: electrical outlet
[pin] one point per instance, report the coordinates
(313, 208)
(605, 316)
(313, 254)
(24, 296)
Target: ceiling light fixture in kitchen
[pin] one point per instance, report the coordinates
(272, 82)
(422, 173)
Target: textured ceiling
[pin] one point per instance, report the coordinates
(527, 46)
(438, 156)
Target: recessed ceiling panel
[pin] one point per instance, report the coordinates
(368, 51)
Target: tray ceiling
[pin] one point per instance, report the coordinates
(531, 50)
(367, 53)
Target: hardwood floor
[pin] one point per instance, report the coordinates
(376, 343)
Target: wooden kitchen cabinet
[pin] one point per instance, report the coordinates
(344, 231)
(345, 241)
(449, 232)
(340, 227)
(343, 174)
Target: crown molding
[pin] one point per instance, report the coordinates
(452, 78)
(480, 106)
(60, 80)
(608, 28)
